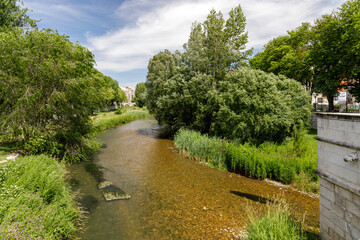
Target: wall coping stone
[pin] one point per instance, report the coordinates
(354, 117)
(339, 143)
(354, 188)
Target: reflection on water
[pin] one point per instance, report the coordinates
(172, 197)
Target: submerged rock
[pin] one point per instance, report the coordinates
(112, 192)
(103, 184)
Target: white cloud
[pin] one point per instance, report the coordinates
(158, 25)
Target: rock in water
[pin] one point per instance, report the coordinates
(112, 192)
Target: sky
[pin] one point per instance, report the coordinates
(125, 34)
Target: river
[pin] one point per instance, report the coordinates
(172, 197)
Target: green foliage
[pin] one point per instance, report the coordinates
(276, 224)
(102, 121)
(288, 55)
(118, 111)
(335, 50)
(217, 46)
(197, 91)
(35, 202)
(49, 88)
(12, 15)
(140, 94)
(281, 162)
(210, 150)
(255, 106)
(108, 88)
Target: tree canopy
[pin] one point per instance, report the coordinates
(49, 88)
(288, 55)
(207, 89)
(217, 46)
(322, 56)
(335, 51)
(13, 15)
(140, 94)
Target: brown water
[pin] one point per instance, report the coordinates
(172, 197)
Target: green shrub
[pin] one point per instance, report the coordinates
(118, 111)
(35, 202)
(254, 106)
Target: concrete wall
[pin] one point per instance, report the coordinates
(339, 175)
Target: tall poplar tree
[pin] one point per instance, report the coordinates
(217, 46)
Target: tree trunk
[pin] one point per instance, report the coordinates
(331, 103)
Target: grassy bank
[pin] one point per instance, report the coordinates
(291, 162)
(35, 202)
(105, 120)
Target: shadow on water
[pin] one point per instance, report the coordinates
(252, 197)
(96, 171)
(89, 202)
(156, 132)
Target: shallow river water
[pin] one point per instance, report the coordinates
(172, 197)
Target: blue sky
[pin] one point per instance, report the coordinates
(125, 34)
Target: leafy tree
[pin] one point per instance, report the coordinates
(108, 88)
(216, 46)
(161, 68)
(140, 94)
(350, 43)
(335, 51)
(49, 90)
(256, 106)
(12, 15)
(288, 55)
(325, 57)
(196, 89)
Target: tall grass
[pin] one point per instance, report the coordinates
(35, 202)
(276, 224)
(290, 162)
(206, 149)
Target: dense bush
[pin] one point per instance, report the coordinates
(282, 162)
(35, 202)
(255, 106)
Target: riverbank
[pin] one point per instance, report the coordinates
(105, 120)
(35, 199)
(291, 162)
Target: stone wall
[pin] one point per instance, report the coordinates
(339, 175)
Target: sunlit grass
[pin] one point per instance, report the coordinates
(35, 202)
(291, 162)
(105, 120)
(276, 224)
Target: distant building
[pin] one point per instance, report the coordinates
(129, 92)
